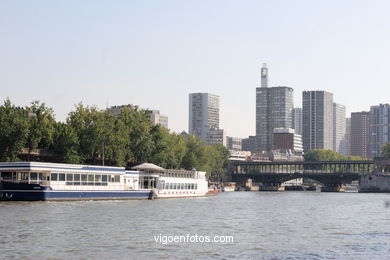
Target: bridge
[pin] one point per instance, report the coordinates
(332, 174)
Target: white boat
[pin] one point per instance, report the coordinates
(172, 183)
(229, 186)
(31, 181)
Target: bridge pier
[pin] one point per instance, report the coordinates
(333, 187)
(271, 187)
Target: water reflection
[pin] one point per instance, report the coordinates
(281, 225)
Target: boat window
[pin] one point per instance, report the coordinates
(98, 179)
(23, 176)
(84, 179)
(69, 179)
(90, 179)
(196, 186)
(117, 178)
(40, 176)
(6, 176)
(54, 176)
(104, 180)
(77, 179)
(61, 177)
(33, 176)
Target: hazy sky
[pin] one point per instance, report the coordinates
(154, 53)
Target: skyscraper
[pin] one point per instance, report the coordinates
(360, 134)
(273, 110)
(379, 128)
(347, 138)
(297, 120)
(317, 120)
(204, 116)
(339, 128)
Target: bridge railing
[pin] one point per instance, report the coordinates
(347, 167)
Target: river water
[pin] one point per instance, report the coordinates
(264, 225)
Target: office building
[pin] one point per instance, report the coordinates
(347, 138)
(379, 128)
(216, 136)
(204, 118)
(339, 128)
(234, 143)
(297, 120)
(273, 110)
(287, 139)
(154, 115)
(157, 118)
(250, 144)
(317, 120)
(360, 134)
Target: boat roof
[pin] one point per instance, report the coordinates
(44, 166)
(149, 167)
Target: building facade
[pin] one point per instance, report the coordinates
(249, 144)
(154, 115)
(216, 136)
(339, 128)
(347, 138)
(379, 128)
(360, 134)
(287, 139)
(204, 118)
(317, 120)
(157, 118)
(273, 110)
(234, 143)
(297, 120)
(203, 114)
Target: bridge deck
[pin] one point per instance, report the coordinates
(302, 167)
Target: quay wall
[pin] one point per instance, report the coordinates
(374, 182)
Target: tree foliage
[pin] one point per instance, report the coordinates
(14, 129)
(386, 150)
(328, 155)
(95, 136)
(41, 126)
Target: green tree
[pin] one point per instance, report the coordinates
(13, 131)
(88, 123)
(386, 150)
(328, 155)
(195, 156)
(138, 127)
(169, 149)
(322, 155)
(66, 144)
(218, 162)
(41, 126)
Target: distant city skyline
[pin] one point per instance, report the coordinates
(106, 54)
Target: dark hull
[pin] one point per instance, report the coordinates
(35, 192)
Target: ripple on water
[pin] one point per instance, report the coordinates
(299, 225)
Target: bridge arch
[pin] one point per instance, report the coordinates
(329, 173)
